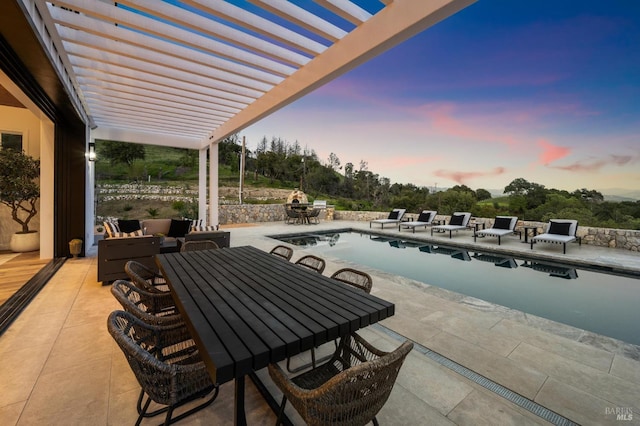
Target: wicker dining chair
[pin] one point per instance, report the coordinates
(314, 215)
(145, 278)
(137, 302)
(166, 363)
(292, 216)
(158, 304)
(354, 278)
(282, 251)
(312, 262)
(199, 245)
(348, 390)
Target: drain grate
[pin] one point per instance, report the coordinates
(509, 395)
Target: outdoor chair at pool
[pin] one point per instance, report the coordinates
(395, 217)
(159, 304)
(425, 218)
(354, 278)
(503, 225)
(133, 301)
(459, 221)
(199, 245)
(282, 251)
(312, 262)
(559, 231)
(349, 389)
(145, 277)
(292, 216)
(166, 363)
(313, 215)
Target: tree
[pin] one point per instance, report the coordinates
(18, 188)
(334, 162)
(518, 186)
(483, 194)
(121, 152)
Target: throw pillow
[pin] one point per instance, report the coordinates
(502, 223)
(456, 219)
(393, 215)
(424, 217)
(111, 228)
(204, 228)
(128, 226)
(179, 228)
(559, 228)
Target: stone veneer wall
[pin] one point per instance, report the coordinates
(251, 213)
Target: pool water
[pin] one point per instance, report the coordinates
(602, 303)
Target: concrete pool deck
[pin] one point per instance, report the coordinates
(60, 366)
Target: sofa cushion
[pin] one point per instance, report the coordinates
(128, 225)
(179, 228)
(111, 228)
(156, 226)
(203, 228)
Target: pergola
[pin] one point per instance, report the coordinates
(188, 73)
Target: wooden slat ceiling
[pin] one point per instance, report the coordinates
(194, 71)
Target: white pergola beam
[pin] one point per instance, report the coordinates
(239, 16)
(231, 35)
(346, 10)
(392, 25)
(148, 138)
(302, 18)
(111, 14)
(112, 69)
(83, 25)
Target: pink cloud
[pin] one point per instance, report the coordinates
(551, 153)
(592, 166)
(463, 178)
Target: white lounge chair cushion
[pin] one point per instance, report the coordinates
(465, 222)
(398, 218)
(432, 214)
(550, 236)
(499, 232)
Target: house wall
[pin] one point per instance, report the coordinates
(23, 121)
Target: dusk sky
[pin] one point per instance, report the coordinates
(546, 90)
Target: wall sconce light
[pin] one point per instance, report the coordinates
(91, 155)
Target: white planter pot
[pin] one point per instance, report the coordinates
(21, 243)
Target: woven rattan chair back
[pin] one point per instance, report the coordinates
(314, 215)
(312, 262)
(350, 389)
(199, 245)
(137, 302)
(354, 278)
(292, 215)
(282, 251)
(145, 278)
(159, 304)
(165, 361)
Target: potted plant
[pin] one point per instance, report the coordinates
(19, 190)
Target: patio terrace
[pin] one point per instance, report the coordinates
(60, 366)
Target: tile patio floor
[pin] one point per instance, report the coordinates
(60, 366)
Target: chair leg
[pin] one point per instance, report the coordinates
(144, 410)
(281, 410)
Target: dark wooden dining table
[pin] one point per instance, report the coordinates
(246, 308)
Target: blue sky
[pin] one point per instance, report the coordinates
(545, 90)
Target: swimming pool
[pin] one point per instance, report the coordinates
(602, 303)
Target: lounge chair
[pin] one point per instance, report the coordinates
(559, 231)
(395, 217)
(503, 225)
(459, 221)
(424, 219)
